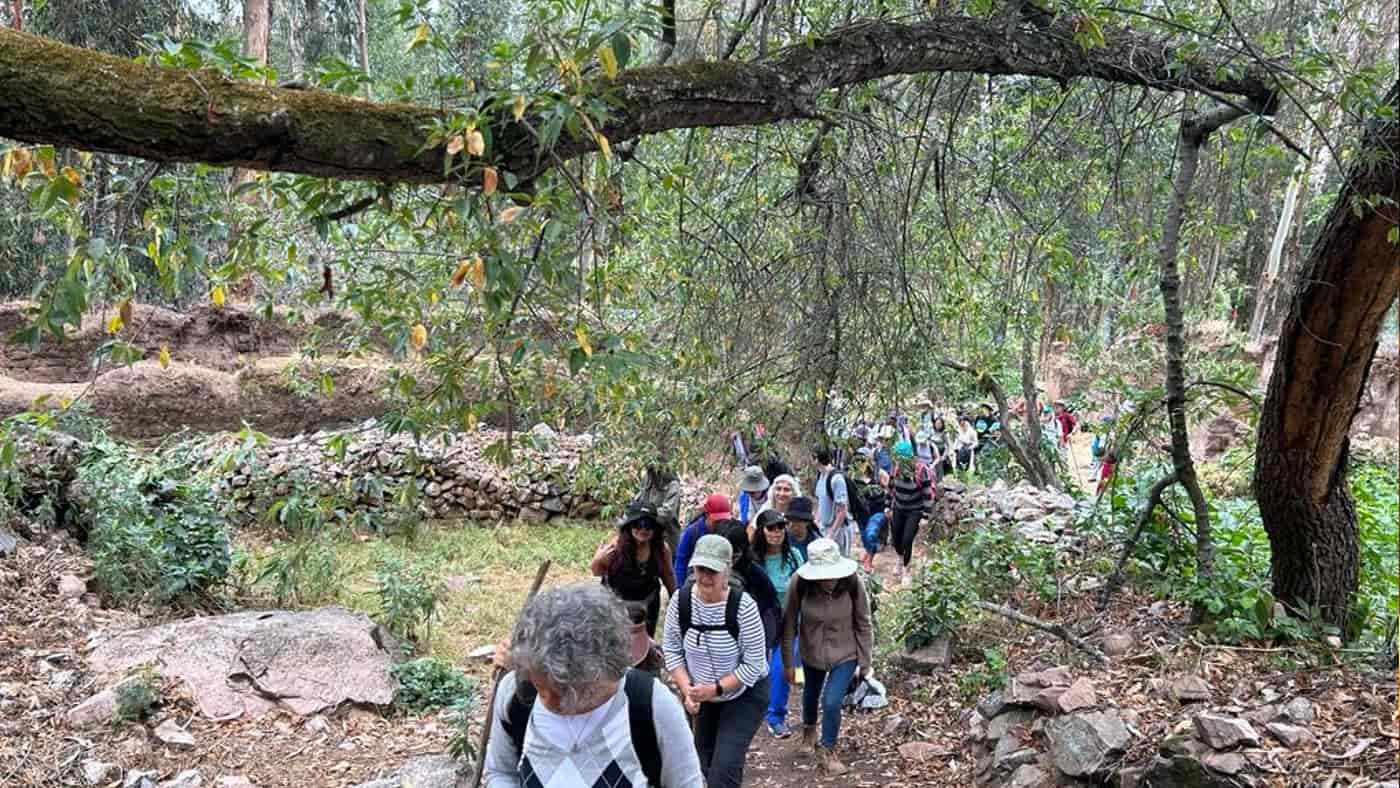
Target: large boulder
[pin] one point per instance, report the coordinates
(1086, 744)
(252, 662)
(424, 771)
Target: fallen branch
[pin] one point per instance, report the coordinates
(1154, 496)
(496, 683)
(1058, 630)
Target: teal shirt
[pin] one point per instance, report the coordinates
(780, 571)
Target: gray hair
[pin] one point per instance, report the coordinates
(575, 636)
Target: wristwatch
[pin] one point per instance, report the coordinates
(719, 689)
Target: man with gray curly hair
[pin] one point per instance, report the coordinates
(596, 722)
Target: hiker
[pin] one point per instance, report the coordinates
(662, 490)
(923, 448)
(882, 448)
(780, 494)
(716, 508)
(965, 446)
(636, 563)
(753, 491)
(1099, 447)
(911, 499)
(780, 559)
(833, 503)
(942, 455)
(802, 526)
(747, 575)
(1106, 471)
(828, 614)
(1065, 422)
(571, 713)
(714, 647)
(926, 413)
(867, 495)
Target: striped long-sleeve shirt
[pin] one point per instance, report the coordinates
(912, 490)
(712, 654)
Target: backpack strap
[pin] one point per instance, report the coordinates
(683, 608)
(638, 685)
(518, 709)
(731, 613)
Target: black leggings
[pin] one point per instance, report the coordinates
(904, 529)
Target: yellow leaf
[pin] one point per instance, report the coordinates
(124, 310)
(164, 356)
(609, 61)
(114, 324)
(582, 336)
(519, 110)
(22, 162)
(84, 157)
(420, 37)
(418, 335)
(479, 273)
(460, 275)
(567, 66)
(455, 144)
(604, 146)
(433, 298)
(45, 159)
(488, 181)
(64, 402)
(509, 215)
(476, 144)
(218, 296)
(5, 164)
(74, 177)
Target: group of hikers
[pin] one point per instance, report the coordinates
(760, 589)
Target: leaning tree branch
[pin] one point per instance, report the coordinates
(1058, 630)
(1154, 496)
(63, 95)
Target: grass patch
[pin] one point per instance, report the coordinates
(503, 559)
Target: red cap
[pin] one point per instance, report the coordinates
(717, 504)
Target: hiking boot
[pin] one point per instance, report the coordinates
(830, 763)
(780, 730)
(809, 738)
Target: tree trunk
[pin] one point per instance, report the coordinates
(363, 33)
(17, 14)
(257, 29)
(1324, 354)
(1194, 133)
(78, 98)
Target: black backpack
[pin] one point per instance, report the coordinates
(731, 614)
(636, 684)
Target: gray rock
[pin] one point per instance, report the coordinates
(896, 726)
(1008, 721)
(1118, 644)
(71, 586)
(1180, 771)
(1048, 699)
(1299, 710)
(98, 709)
(189, 778)
(1189, 746)
(920, 751)
(252, 662)
(423, 771)
(1085, 744)
(233, 781)
(1231, 763)
(1189, 689)
(930, 659)
(1289, 735)
(1079, 695)
(9, 543)
(991, 705)
(171, 733)
(100, 772)
(1029, 775)
(1222, 732)
(140, 779)
(1010, 754)
(532, 515)
(553, 505)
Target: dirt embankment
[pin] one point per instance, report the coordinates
(227, 366)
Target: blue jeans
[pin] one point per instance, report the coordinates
(778, 688)
(870, 539)
(829, 696)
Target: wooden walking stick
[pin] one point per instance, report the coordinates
(496, 675)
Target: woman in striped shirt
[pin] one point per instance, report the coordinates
(911, 499)
(716, 653)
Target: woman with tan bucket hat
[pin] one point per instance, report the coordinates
(828, 612)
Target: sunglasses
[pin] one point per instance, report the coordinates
(775, 527)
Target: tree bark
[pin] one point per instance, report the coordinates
(1351, 278)
(17, 14)
(1194, 133)
(78, 98)
(363, 34)
(257, 29)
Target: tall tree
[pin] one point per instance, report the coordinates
(1350, 280)
(257, 28)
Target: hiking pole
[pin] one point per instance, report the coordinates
(496, 675)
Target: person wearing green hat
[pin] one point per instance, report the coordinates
(828, 613)
(715, 649)
(911, 498)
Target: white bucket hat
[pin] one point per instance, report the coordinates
(825, 562)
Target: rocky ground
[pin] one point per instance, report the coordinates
(1163, 709)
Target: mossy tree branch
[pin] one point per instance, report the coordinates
(63, 95)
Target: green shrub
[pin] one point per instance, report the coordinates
(156, 528)
(136, 698)
(407, 597)
(940, 601)
(429, 683)
(990, 675)
(304, 572)
(461, 745)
